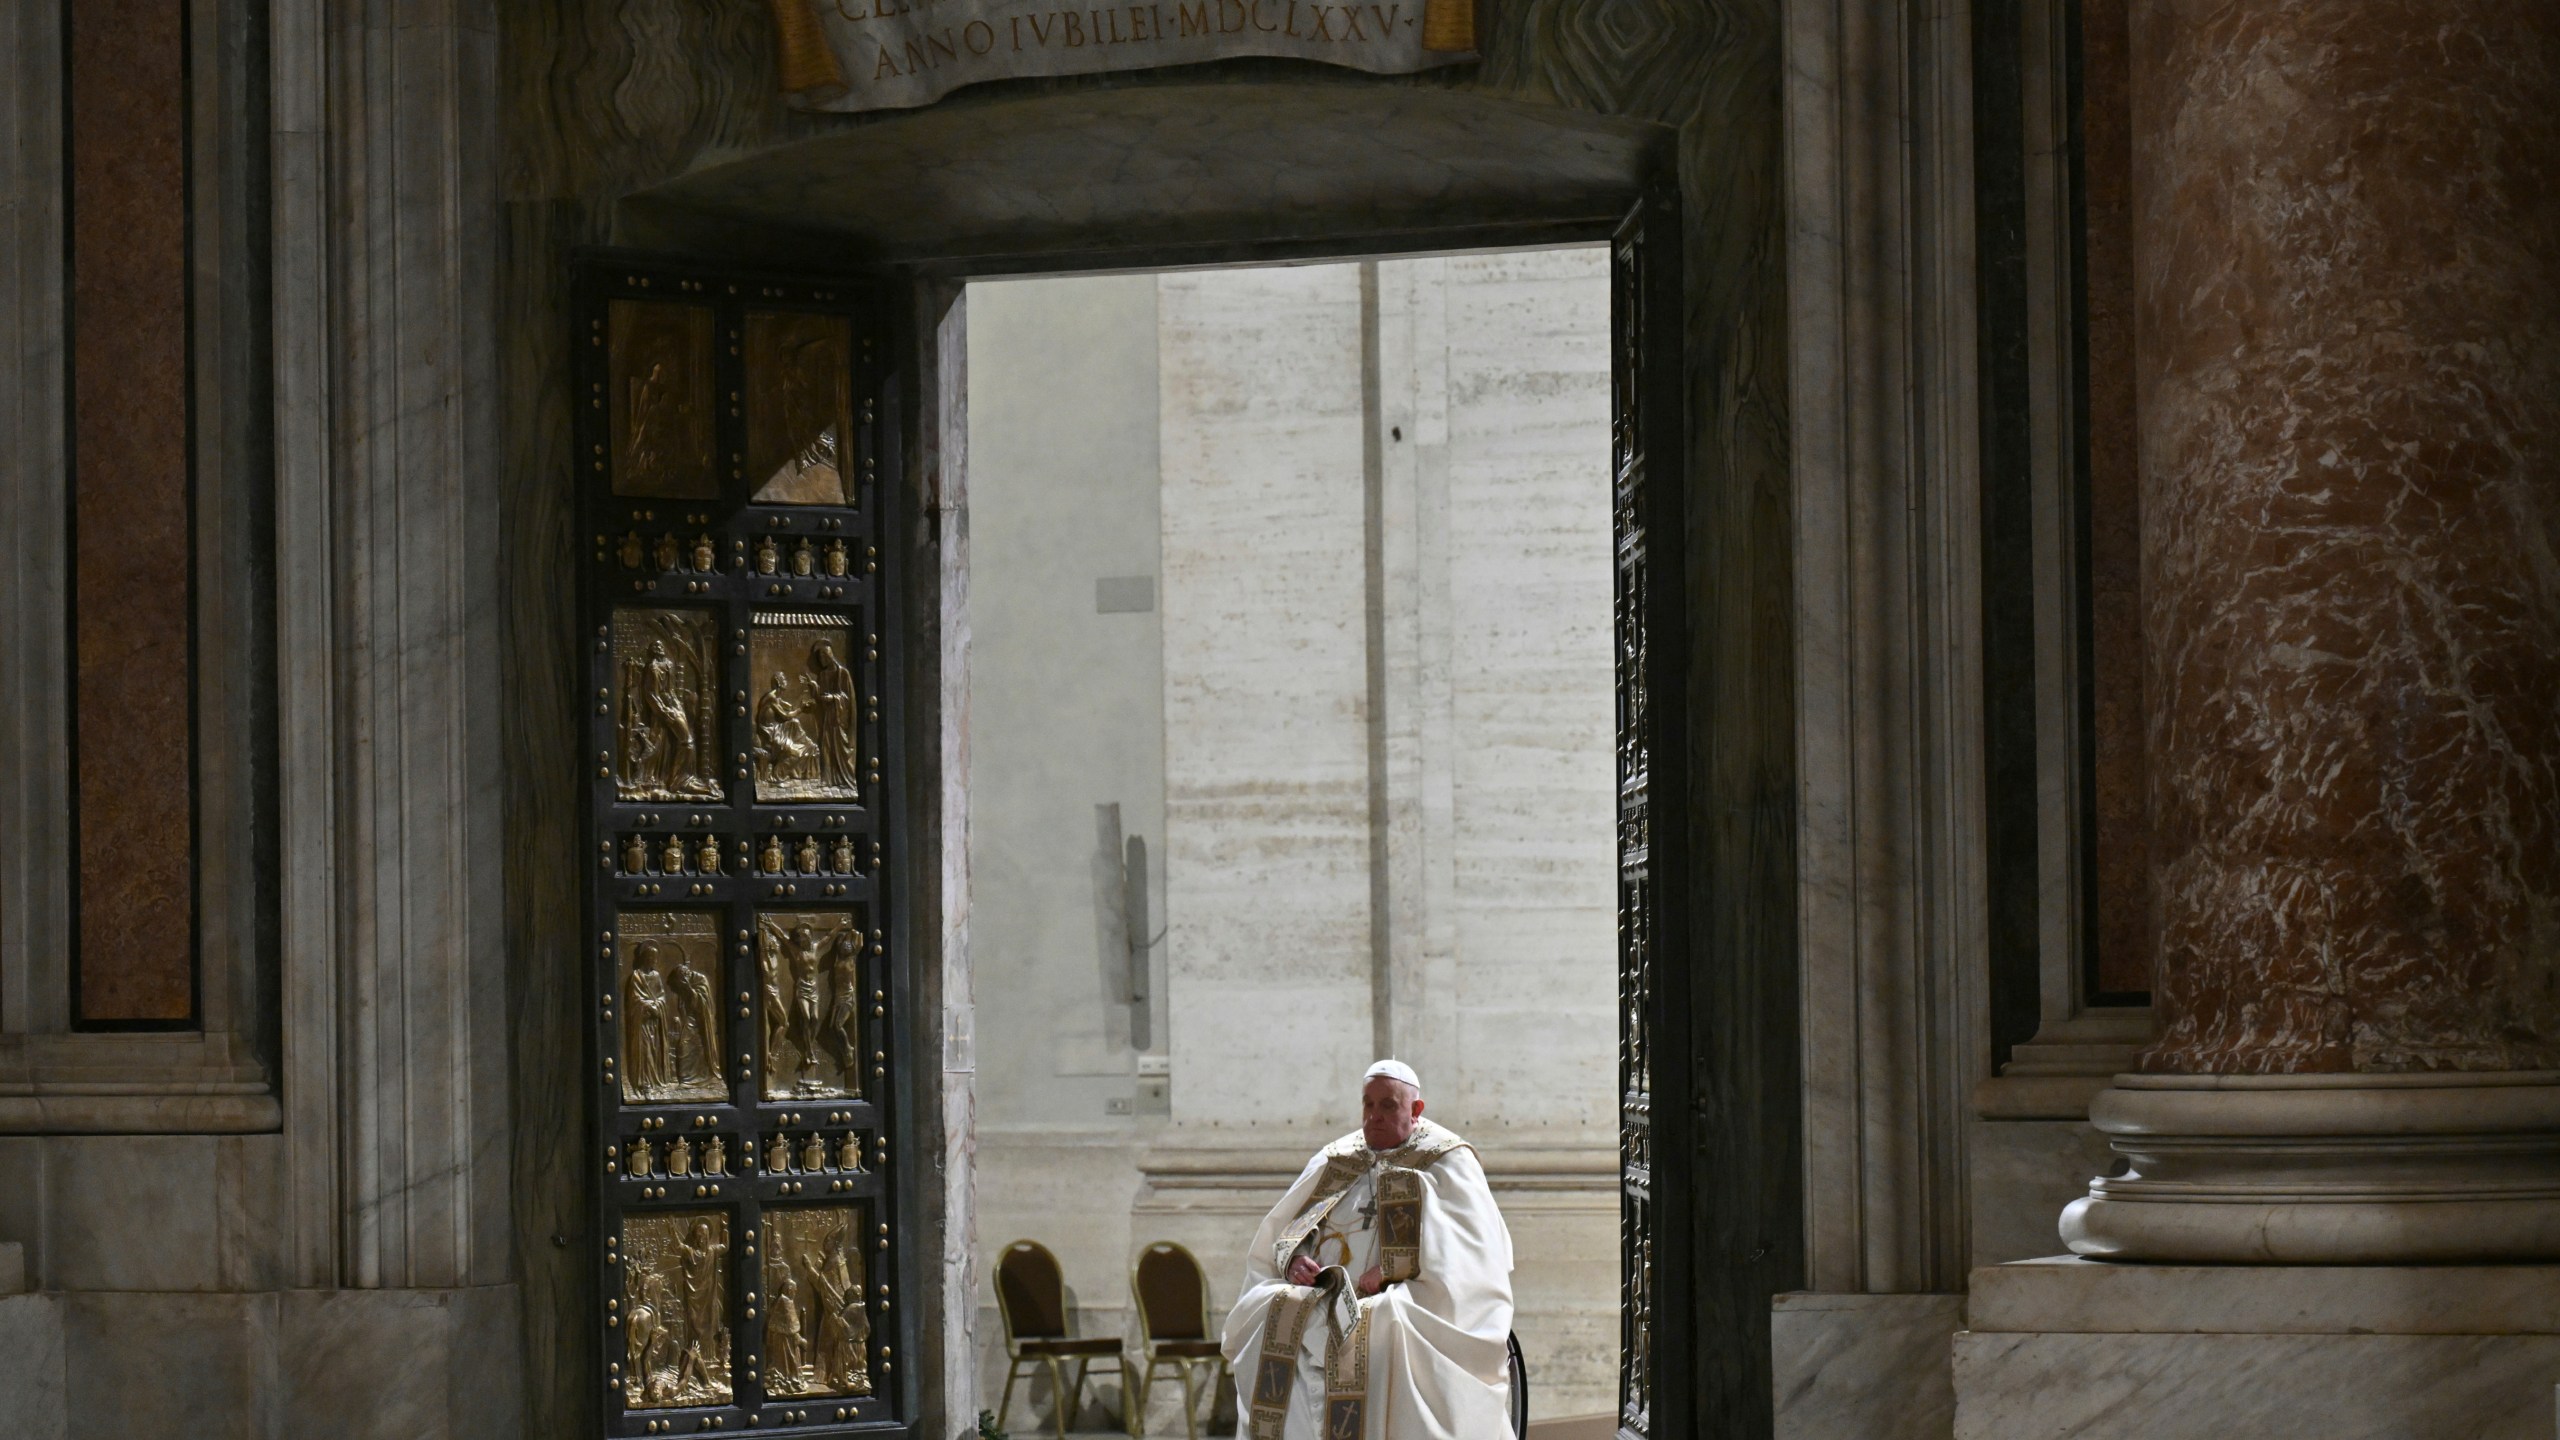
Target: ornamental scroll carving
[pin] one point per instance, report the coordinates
(817, 1328)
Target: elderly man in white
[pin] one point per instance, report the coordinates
(1377, 1297)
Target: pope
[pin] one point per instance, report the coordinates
(1377, 1295)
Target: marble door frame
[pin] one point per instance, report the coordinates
(938, 625)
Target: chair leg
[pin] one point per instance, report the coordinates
(1138, 1406)
(1190, 1400)
(1059, 1404)
(1004, 1407)
(1084, 1372)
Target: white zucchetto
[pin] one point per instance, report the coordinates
(1394, 1070)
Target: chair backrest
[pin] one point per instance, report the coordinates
(1173, 1296)
(1031, 1293)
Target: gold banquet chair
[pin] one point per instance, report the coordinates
(1173, 1329)
(1032, 1295)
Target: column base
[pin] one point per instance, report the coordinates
(2326, 1170)
(2094, 1351)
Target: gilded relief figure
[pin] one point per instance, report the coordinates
(799, 407)
(812, 1004)
(784, 753)
(837, 693)
(661, 403)
(670, 1009)
(675, 1276)
(844, 1010)
(666, 684)
(807, 712)
(823, 1347)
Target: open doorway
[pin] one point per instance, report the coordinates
(1291, 743)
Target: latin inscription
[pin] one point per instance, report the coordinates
(875, 54)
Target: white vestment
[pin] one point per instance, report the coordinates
(1426, 1357)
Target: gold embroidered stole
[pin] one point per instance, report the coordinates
(1275, 1371)
(1284, 1328)
(1399, 1183)
(1346, 1378)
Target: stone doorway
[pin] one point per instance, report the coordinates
(1145, 180)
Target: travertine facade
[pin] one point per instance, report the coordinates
(1404, 847)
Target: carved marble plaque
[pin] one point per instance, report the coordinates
(666, 704)
(675, 1309)
(872, 56)
(669, 999)
(817, 1322)
(806, 708)
(661, 404)
(799, 407)
(810, 964)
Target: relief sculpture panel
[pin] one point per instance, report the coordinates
(675, 1309)
(666, 696)
(807, 707)
(670, 1007)
(661, 401)
(817, 1326)
(812, 1016)
(799, 407)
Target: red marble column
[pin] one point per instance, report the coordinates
(2347, 260)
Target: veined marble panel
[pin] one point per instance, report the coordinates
(1871, 1366)
(2068, 1294)
(31, 1366)
(2215, 1387)
(193, 1365)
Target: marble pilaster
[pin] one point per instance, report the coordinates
(386, 359)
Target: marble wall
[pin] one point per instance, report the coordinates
(1873, 1366)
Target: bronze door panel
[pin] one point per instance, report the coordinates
(662, 402)
(746, 960)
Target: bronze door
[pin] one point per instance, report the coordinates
(1646, 442)
(746, 950)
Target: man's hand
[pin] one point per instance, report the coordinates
(1303, 1270)
(1372, 1280)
